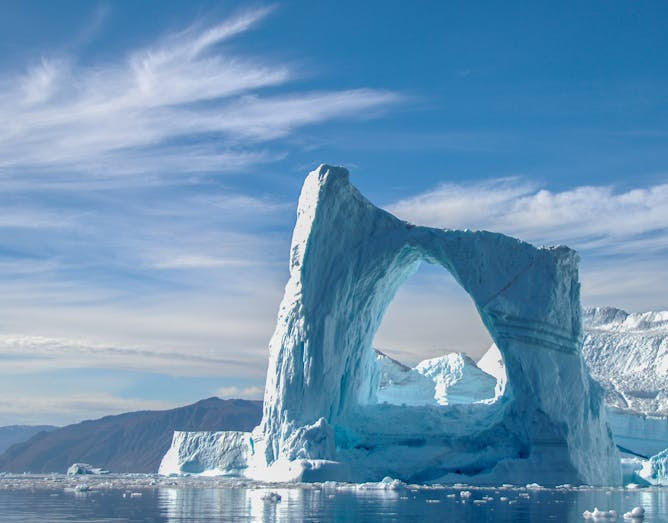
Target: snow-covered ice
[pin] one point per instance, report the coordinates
(209, 453)
(452, 378)
(324, 412)
(628, 355)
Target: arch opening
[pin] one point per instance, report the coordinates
(429, 341)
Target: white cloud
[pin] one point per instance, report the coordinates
(128, 116)
(586, 217)
(250, 393)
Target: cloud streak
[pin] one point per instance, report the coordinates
(29, 354)
(144, 112)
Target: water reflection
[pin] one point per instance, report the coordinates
(198, 499)
(235, 504)
(350, 504)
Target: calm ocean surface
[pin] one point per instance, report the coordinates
(148, 498)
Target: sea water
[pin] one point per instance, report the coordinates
(153, 498)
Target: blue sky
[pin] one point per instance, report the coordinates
(151, 157)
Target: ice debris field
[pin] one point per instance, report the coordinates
(188, 496)
(335, 409)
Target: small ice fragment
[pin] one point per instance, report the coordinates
(274, 497)
(636, 514)
(598, 515)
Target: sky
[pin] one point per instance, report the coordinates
(152, 154)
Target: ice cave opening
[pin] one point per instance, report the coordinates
(428, 341)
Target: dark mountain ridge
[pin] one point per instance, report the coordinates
(11, 434)
(130, 442)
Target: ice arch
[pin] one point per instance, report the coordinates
(321, 420)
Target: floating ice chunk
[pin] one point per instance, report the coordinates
(77, 469)
(636, 514)
(599, 515)
(273, 497)
(655, 470)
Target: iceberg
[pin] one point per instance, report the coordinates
(79, 469)
(326, 414)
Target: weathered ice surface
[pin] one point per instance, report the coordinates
(655, 471)
(322, 416)
(628, 355)
(208, 453)
(638, 433)
(634, 432)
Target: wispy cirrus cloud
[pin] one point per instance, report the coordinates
(23, 354)
(186, 103)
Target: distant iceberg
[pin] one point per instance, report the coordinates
(207, 453)
(77, 469)
(628, 355)
(655, 470)
(332, 413)
(446, 380)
